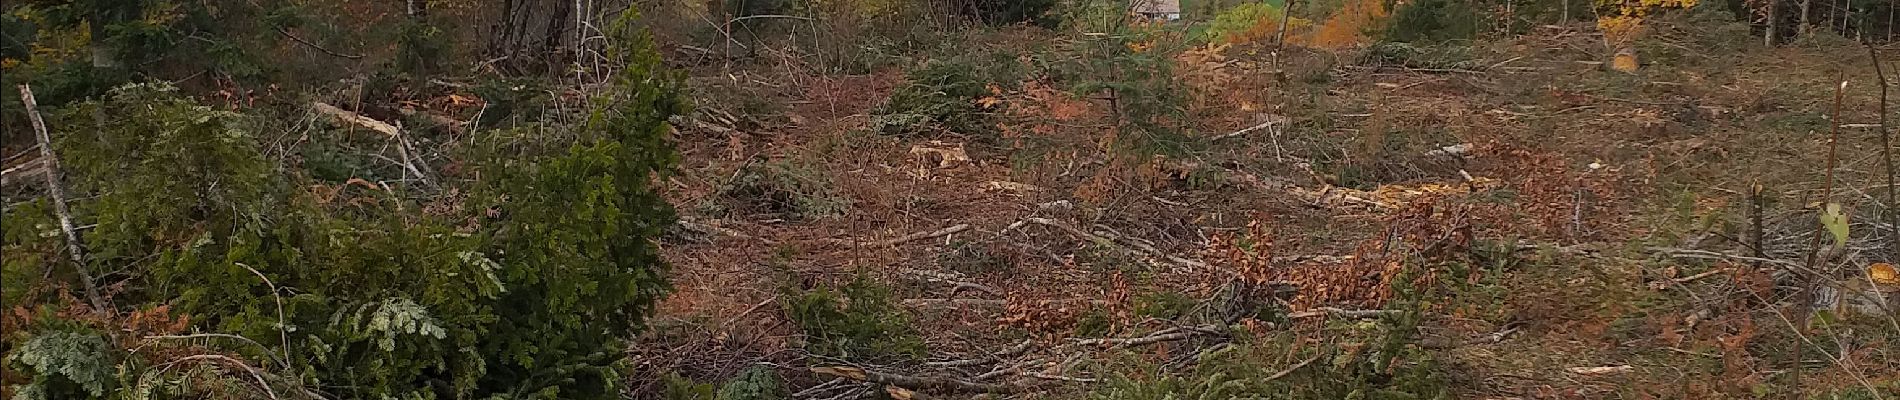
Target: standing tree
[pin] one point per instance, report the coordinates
(534, 36)
(100, 17)
(105, 15)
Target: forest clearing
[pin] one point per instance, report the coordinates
(886, 199)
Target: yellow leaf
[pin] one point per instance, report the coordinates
(1835, 220)
(1883, 273)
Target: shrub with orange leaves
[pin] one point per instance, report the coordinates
(1350, 26)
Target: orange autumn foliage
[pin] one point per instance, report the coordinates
(1348, 26)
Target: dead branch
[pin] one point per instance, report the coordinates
(975, 286)
(1886, 150)
(755, 307)
(438, 119)
(1240, 178)
(955, 280)
(1495, 337)
(1006, 370)
(968, 362)
(1289, 370)
(25, 169)
(918, 235)
(820, 388)
(689, 223)
(1643, 102)
(283, 333)
(925, 383)
(1600, 370)
(1111, 239)
(1692, 278)
(75, 250)
(994, 302)
(1061, 378)
(1712, 255)
(307, 43)
(1158, 199)
(402, 144)
(1833, 160)
(1164, 335)
(1019, 348)
(1333, 311)
(1012, 351)
(1264, 125)
(354, 118)
(1018, 368)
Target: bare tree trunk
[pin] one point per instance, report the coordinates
(1847, 8)
(1279, 41)
(1832, 5)
(533, 36)
(1774, 19)
(1805, 28)
(1845, 16)
(105, 53)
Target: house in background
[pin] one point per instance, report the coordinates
(1160, 10)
